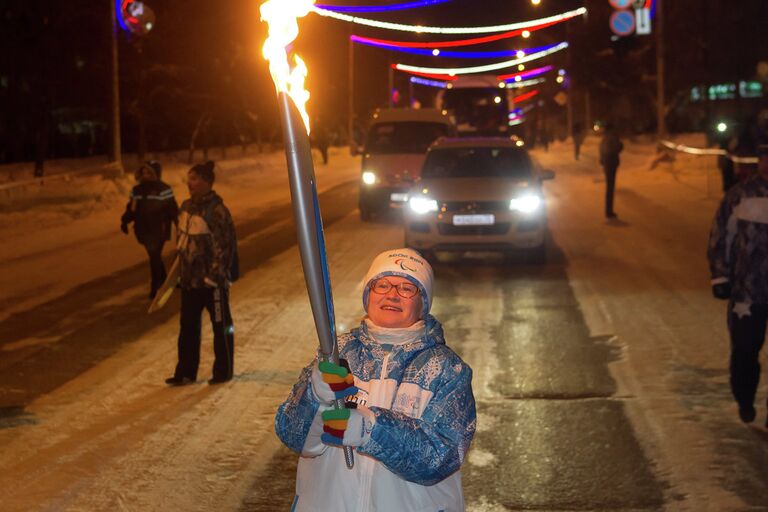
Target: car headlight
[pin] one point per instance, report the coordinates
(527, 203)
(422, 205)
(369, 177)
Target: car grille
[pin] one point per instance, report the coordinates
(500, 228)
(476, 206)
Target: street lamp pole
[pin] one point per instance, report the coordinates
(115, 156)
(661, 125)
(351, 99)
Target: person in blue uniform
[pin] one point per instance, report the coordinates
(410, 413)
(738, 261)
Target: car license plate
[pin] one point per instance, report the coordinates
(474, 220)
(398, 197)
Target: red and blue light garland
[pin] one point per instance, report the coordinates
(441, 53)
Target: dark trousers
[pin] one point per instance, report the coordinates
(729, 177)
(216, 301)
(610, 187)
(156, 266)
(747, 338)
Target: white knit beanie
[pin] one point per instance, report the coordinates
(405, 263)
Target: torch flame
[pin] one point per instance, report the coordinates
(282, 16)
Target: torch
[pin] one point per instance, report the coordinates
(301, 174)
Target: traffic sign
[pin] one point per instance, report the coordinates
(642, 21)
(620, 4)
(622, 23)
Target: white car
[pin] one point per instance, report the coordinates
(478, 194)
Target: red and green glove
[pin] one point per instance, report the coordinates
(347, 427)
(332, 381)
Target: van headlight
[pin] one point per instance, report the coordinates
(369, 177)
(526, 203)
(422, 205)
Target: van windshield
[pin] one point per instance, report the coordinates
(404, 136)
(477, 162)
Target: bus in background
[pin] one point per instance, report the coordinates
(478, 104)
(395, 147)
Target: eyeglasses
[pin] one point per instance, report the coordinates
(405, 290)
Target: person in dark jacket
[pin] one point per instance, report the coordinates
(321, 139)
(152, 209)
(738, 261)
(578, 139)
(207, 252)
(610, 147)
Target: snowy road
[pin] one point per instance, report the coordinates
(600, 377)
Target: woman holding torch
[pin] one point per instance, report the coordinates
(410, 413)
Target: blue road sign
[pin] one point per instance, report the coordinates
(623, 23)
(620, 4)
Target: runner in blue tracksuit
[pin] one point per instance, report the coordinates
(414, 415)
(738, 260)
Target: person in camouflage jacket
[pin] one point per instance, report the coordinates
(207, 249)
(738, 260)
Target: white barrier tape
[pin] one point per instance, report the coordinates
(708, 152)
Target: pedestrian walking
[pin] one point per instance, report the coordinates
(578, 136)
(738, 261)
(152, 209)
(321, 139)
(725, 163)
(208, 265)
(544, 137)
(610, 147)
(410, 413)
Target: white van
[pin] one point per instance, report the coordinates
(394, 151)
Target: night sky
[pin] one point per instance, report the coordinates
(205, 56)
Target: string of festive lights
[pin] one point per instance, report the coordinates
(461, 55)
(381, 8)
(429, 83)
(525, 74)
(525, 83)
(447, 30)
(462, 42)
(436, 76)
(522, 97)
(480, 69)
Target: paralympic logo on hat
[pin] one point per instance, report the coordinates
(401, 262)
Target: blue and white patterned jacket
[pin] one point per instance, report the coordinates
(738, 242)
(421, 394)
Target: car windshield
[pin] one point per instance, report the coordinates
(477, 162)
(403, 137)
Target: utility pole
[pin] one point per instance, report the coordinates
(351, 99)
(569, 81)
(661, 124)
(115, 156)
(587, 111)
